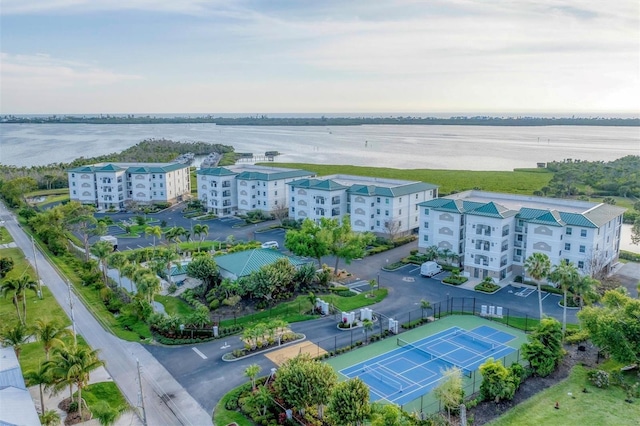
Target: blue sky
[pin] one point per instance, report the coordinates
(210, 56)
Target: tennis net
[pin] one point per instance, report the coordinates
(380, 376)
(432, 356)
(483, 341)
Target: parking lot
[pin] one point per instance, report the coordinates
(219, 229)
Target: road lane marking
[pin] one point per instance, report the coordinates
(203, 356)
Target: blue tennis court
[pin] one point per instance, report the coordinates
(414, 368)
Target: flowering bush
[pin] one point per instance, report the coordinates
(599, 378)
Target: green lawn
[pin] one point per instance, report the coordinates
(5, 237)
(103, 391)
(348, 304)
(597, 407)
(174, 305)
(521, 181)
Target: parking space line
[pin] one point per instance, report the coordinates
(203, 356)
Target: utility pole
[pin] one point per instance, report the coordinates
(73, 321)
(35, 263)
(141, 395)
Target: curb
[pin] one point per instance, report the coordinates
(304, 337)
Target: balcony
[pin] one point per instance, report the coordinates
(518, 228)
(505, 248)
(481, 262)
(226, 184)
(517, 258)
(517, 243)
(335, 201)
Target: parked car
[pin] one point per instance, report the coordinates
(429, 269)
(270, 245)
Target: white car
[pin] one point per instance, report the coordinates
(271, 244)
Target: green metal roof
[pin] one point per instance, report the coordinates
(288, 174)
(216, 171)
(318, 184)
(449, 205)
(243, 263)
(395, 191)
(138, 168)
(576, 219)
(549, 218)
(492, 209)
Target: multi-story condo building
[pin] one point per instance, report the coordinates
(383, 206)
(111, 185)
(492, 234)
(242, 188)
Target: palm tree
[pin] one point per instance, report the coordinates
(445, 253)
(106, 415)
(72, 365)
(18, 286)
(585, 290)
(168, 256)
(174, 234)
(50, 333)
(16, 337)
(252, 372)
(564, 275)
(424, 304)
(432, 253)
(118, 260)
(154, 231)
(200, 231)
(102, 250)
(50, 418)
(538, 266)
(39, 377)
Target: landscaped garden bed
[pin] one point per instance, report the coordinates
(487, 287)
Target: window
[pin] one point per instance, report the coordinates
(416, 196)
(275, 203)
(399, 211)
(386, 212)
(73, 184)
(378, 200)
(426, 225)
(568, 231)
(386, 201)
(377, 211)
(583, 232)
(426, 212)
(276, 193)
(399, 223)
(400, 200)
(425, 238)
(580, 264)
(567, 246)
(583, 249)
(377, 223)
(153, 176)
(74, 192)
(73, 175)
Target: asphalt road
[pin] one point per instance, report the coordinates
(166, 401)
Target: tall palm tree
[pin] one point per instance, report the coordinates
(154, 231)
(432, 252)
(16, 337)
(174, 234)
(118, 260)
(538, 266)
(168, 256)
(200, 231)
(424, 304)
(50, 333)
(72, 365)
(445, 253)
(102, 250)
(19, 286)
(43, 379)
(565, 275)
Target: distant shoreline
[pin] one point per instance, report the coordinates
(264, 120)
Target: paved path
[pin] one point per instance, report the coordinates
(166, 401)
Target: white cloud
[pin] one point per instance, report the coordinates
(43, 72)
